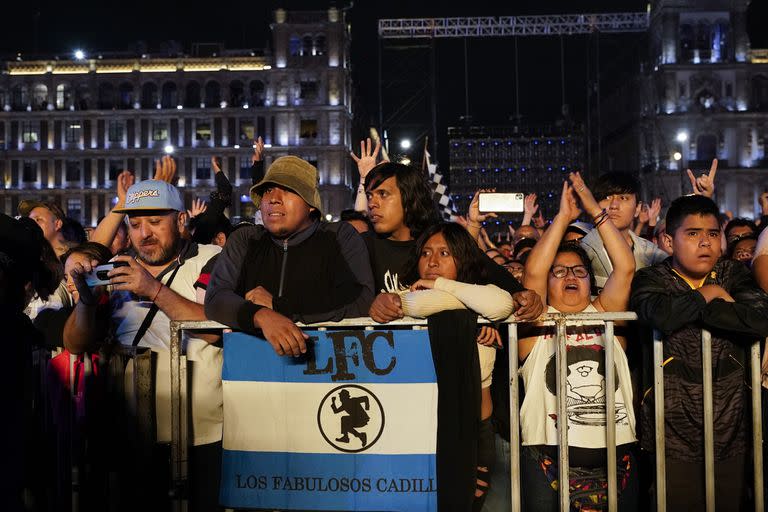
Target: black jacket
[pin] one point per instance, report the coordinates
(665, 302)
(319, 274)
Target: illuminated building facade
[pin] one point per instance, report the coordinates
(703, 95)
(68, 127)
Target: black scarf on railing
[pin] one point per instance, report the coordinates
(452, 336)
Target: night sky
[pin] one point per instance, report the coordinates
(49, 28)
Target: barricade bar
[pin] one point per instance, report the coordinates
(757, 425)
(561, 365)
(514, 419)
(610, 416)
(709, 419)
(658, 402)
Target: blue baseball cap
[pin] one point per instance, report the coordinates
(152, 195)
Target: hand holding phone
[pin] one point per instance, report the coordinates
(99, 275)
(501, 202)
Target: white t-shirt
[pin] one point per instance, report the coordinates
(586, 389)
(204, 360)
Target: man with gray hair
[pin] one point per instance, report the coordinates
(294, 268)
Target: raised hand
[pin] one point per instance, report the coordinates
(644, 214)
(215, 165)
(654, 210)
(585, 196)
(704, 185)
(569, 206)
(198, 207)
(529, 209)
(165, 169)
(539, 221)
(368, 157)
(473, 214)
(258, 150)
(124, 181)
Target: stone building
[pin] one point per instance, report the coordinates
(69, 126)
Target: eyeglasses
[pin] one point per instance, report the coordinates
(560, 271)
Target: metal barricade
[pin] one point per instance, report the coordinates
(180, 406)
(709, 446)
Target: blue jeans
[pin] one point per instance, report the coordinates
(498, 499)
(538, 495)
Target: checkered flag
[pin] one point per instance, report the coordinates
(440, 191)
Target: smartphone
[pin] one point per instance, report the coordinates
(501, 202)
(98, 276)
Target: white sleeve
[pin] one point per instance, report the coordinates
(422, 303)
(487, 300)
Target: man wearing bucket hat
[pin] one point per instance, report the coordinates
(156, 287)
(294, 268)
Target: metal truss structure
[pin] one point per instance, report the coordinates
(507, 26)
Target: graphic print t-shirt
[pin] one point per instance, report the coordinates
(586, 395)
(389, 261)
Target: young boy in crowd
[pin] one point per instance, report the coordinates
(691, 291)
(616, 193)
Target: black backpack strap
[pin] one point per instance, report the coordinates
(152, 312)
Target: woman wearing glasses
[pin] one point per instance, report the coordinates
(561, 274)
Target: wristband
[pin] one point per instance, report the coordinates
(158, 292)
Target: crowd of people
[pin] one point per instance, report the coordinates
(688, 269)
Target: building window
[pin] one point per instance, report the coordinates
(73, 171)
(63, 96)
(203, 130)
(203, 168)
(115, 168)
(159, 131)
(308, 90)
(29, 171)
(115, 130)
(29, 132)
(306, 45)
(247, 131)
(74, 208)
(308, 129)
(294, 46)
(706, 147)
(72, 132)
(245, 167)
(320, 45)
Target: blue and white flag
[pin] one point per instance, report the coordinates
(349, 426)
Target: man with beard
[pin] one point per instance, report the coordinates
(157, 285)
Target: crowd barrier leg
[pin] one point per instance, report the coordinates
(514, 418)
(658, 400)
(610, 416)
(709, 419)
(561, 363)
(757, 426)
(179, 426)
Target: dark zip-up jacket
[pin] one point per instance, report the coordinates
(664, 301)
(319, 274)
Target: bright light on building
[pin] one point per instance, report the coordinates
(237, 146)
(168, 149)
(79, 54)
(681, 136)
(329, 217)
(405, 161)
(677, 156)
(179, 107)
(405, 144)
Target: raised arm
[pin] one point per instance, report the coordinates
(107, 229)
(365, 162)
(475, 219)
(543, 253)
(615, 294)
